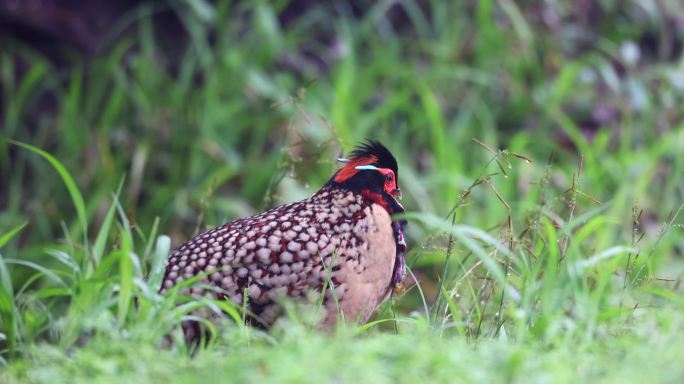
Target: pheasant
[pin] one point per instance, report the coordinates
(342, 239)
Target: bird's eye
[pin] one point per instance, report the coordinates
(389, 177)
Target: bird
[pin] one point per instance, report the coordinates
(343, 242)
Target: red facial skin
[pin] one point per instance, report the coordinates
(390, 187)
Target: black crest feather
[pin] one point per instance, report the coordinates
(374, 148)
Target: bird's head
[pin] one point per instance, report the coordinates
(371, 171)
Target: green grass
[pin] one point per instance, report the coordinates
(548, 249)
(416, 356)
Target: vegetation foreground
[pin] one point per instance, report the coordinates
(543, 179)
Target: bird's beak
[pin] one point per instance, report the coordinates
(397, 193)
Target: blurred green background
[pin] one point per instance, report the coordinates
(208, 111)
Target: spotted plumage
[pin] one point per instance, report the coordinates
(343, 235)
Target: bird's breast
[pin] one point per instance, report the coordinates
(363, 266)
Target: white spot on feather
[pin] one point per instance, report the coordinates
(285, 257)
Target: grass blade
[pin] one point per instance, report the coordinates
(11, 233)
(101, 239)
(161, 252)
(8, 310)
(76, 197)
